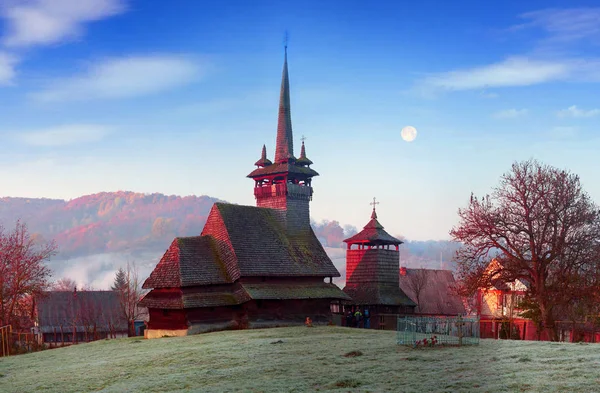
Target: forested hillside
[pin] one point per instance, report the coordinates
(96, 234)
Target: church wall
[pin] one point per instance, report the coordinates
(213, 314)
(293, 310)
(166, 319)
(258, 313)
(374, 265)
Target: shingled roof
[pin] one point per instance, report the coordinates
(239, 293)
(268, 291)
(239, 241)
(303, 160)
(262, 247)
(436, 296)
(187, 262)
(374, 294)
(80, 309)
(373, 233)
(285, 167)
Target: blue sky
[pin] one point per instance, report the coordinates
(178, 98)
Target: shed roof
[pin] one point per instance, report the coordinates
(435, 296)
(80, 309)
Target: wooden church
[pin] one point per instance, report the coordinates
(251, 266)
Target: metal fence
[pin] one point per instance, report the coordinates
(432, 331)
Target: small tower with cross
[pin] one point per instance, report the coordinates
(372, 272)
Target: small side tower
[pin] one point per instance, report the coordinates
(372, 273)
(285, 183)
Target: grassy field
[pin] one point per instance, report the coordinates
(302, 359)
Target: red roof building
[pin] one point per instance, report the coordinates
(251, 266)
(372, 266)
(433, 292)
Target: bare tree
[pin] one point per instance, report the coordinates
(130, 295)
(64, 284)
(23, 274)
(417, 281)
(541, 227)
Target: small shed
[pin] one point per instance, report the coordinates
(65, 317)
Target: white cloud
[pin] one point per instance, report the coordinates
(564, 25)
(573, 111)
(7, 68)
(65, 135)
(516, 71)
(123, 77)
(510, 113)
(43, 22)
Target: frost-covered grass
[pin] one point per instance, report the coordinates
(302, 359)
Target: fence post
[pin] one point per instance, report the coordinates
(459, 325)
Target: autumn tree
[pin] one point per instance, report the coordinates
(23, 273)
(542, 228)
(64, 284)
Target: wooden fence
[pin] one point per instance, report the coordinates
(12, 343)
(5, 335)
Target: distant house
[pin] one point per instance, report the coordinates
(70, 317)
(500, 316)
(498, 308)
(432, 291)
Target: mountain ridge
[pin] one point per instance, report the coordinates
(98, 233)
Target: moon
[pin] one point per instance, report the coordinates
(409, 133)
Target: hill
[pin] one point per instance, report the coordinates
(96, 234)
(109, 221)
(302, 359)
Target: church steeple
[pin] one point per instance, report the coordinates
(285, 185)
(284, 149)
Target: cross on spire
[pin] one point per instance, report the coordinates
(285, 40)
(374, 203)
(374, 214)
(303, 138)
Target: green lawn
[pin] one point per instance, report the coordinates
(302, 359)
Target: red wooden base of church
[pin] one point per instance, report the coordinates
(252, 314)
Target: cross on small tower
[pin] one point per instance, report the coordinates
(303, 138)
(374, 203)
(285, 40)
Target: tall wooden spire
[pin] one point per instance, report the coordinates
(284, 150)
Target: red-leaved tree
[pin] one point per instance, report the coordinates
(23, 274)
(543, 229)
